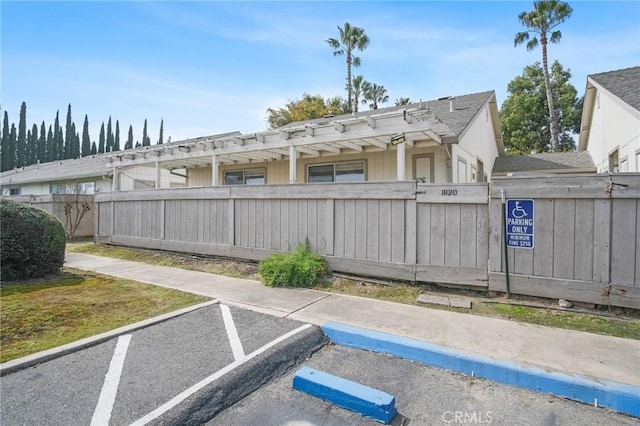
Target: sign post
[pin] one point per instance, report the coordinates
(520, 223)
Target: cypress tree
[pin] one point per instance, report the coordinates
(146, 141)
(57, 139)
(101, 140)
(94, 150)
(116, 143)
(12, 144)
(33, 145)
(69, 135)
(51, 145)
(42, 144)
(161, 131)
(86, 143)
(5, 147)
(109, 146)
(21, 148)
(129, 143)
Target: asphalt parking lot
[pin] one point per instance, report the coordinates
(424, 396)
(178, 371)
(222, 365)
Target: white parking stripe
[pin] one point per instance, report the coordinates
(102, 414)
(232, 333)
(195, 388)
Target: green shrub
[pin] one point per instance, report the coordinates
(296, 269)
(32, 241)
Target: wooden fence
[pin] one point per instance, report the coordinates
(586, 247)
(586, 230)
(55, 203)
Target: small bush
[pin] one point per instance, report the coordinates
(32, 241)
(297, 269)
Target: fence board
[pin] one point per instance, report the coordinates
(476, 277)
(496, 235)
(373, 224)
(623, 241)
(384, 223)
(423, 237)
(468, 235)
(411, 209)
(397, 230)
(543, 239)
(350, 229)
(563, 238)
(437, 232)
(361, 229)
(584, 240)
(482, 242)
(452, 235)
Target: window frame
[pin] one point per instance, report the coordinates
(363, 163)
(244, 176)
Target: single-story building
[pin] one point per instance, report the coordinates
(447, 140)
(610, 126)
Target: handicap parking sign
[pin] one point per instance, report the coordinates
(520, 223)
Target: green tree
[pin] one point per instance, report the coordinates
(351, 39)
(374, 94)
(58, 141)
(69, 136)
(403, 101)
(42, 144)
(101, 140)
(146, 141)
(307, 108)
(94, 149)
(51, 145)
(116, 142)
(358, 81)
(524, 114)
(161, 137)
(33, 145)
(86, 142)
(7, 155)
(129, 143)
(110, 138)
(545, 16)
(13, 142)
(21, 147)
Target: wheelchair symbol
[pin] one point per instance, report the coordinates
(518, 212)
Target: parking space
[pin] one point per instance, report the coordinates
(141, 377)
(424, 396)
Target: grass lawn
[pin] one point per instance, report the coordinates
(49, 312)
(621, 322)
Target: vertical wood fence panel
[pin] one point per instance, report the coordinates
(585, 245)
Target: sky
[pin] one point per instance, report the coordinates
(210, 67)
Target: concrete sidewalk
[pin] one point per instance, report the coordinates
(556, 350)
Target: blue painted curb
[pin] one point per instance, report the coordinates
(369, 402)
(613, 395)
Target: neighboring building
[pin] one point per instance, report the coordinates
(545, 163)
(610, 128)
(448, 140)
(86, 175)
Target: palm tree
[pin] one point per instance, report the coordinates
(545, 16)
(358, 82)
(351, 38)
(403, 101)
(374, 94)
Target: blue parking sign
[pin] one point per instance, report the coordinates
(520, 223)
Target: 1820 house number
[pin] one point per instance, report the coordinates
(450, 192)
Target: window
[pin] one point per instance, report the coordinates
(462, 171)
(87, 188)
(244, 177)
(57, 188)
(474, 177)
(338, 172)
(481, 177)
(15, 191)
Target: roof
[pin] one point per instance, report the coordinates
(624, 83)
(57, 171)
(465, 108)
(553, 162)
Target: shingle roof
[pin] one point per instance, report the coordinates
(546, 162)
(624, 83)
(465, 107)
(57, 170)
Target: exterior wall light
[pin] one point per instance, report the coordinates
(398, 139)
